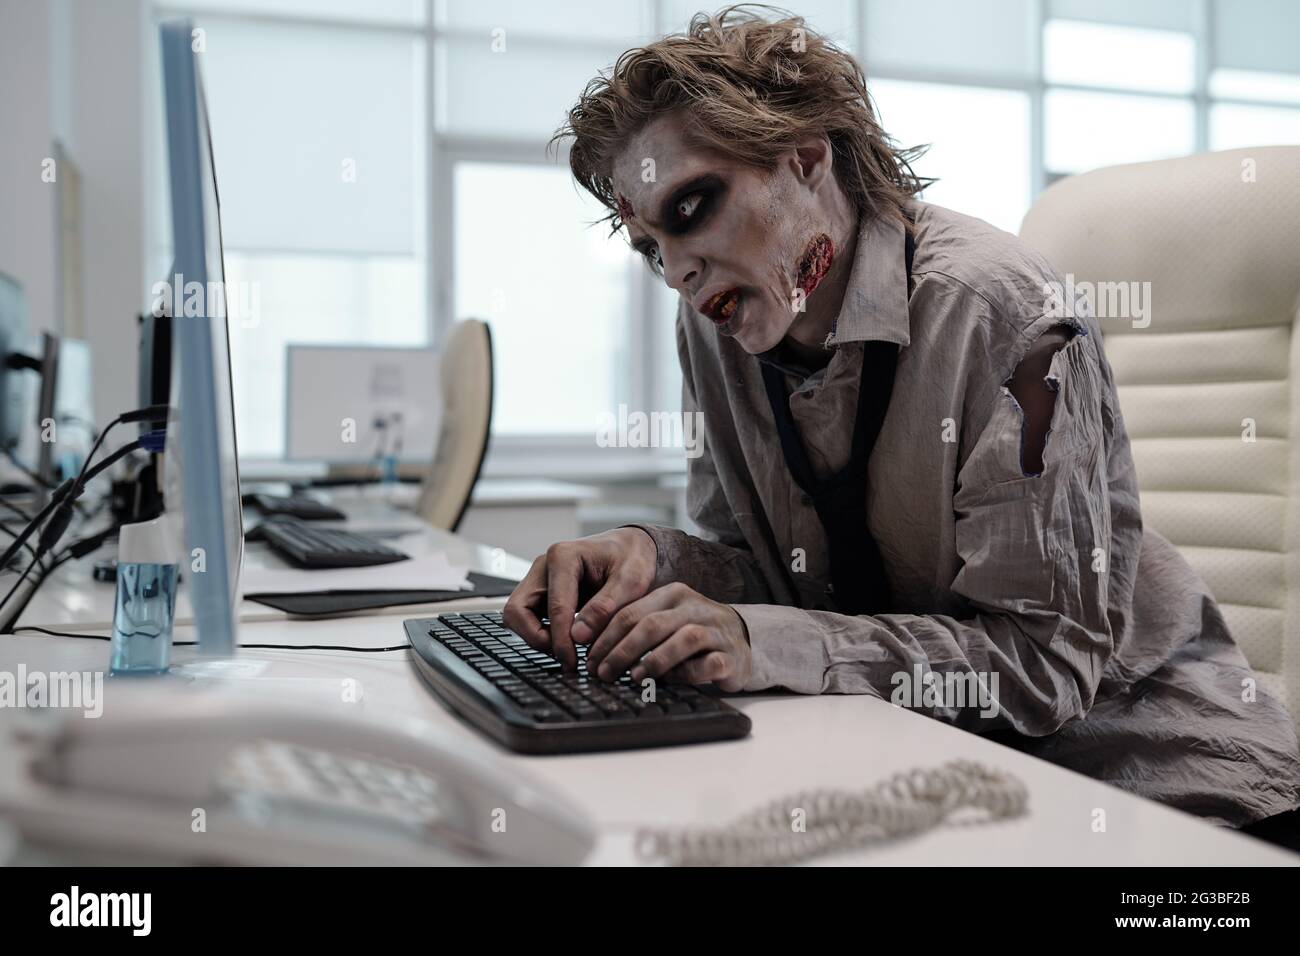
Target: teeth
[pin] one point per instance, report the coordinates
(729, 306)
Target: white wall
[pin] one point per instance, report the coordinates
(26, 203)
(73, 69)
(107, 142)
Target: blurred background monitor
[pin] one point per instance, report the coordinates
(15, 387)
(357, 404)
(74, 409)
(58, 415)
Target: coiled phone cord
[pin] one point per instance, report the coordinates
(903, 805)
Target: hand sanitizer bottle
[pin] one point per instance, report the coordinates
(146, 598)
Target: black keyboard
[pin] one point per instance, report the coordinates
(310, 547)
(302, 507)
(524, 699)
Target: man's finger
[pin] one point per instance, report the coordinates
(521, 613)
(563, 572)
(686, 642)
(625, 619)
(616, 593)
(648, 633)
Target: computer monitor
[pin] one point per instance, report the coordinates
(54, 442)
(352, 404)
(47, 424)
(202, 454)
(74, 409)
(14, 386)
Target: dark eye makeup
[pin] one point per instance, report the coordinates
(692, 203)
(685, 209)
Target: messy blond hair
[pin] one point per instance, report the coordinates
(750, 88)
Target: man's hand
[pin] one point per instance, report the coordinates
(678, 634)
(618, 566)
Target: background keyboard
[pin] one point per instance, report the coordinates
(302, 507)
(522, 697)
(310, 547)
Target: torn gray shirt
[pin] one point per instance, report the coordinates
(1103, 648)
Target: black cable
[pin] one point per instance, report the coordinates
(150, 413)
(78, 549)
(15, 509)
(53, 531)
(50, 534)
(84, 546)
(27, 472)
(19, 582)
(326, 647)
(93, 637)
(35, 523)
(27, 545)
(270, 647)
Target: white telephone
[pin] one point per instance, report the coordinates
(210, 777)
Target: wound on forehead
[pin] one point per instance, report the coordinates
(1036, 398)
(625, 210)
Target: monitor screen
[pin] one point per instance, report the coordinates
(355, 404)
(202, 457)
(14, 391)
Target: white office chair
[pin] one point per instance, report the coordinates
(1217, 236)
(466, 382)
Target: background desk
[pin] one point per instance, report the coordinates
(72, 600)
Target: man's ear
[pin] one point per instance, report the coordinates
(813, 161)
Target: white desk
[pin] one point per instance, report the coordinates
(797, 743)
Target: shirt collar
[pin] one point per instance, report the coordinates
(875, 302)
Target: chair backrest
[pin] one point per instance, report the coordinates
(466, 425)
(1204, 361)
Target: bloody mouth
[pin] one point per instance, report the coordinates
(721, 307)
(814, 264)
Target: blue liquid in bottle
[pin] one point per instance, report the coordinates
(143, 617)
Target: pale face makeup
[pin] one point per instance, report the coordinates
(762, 254)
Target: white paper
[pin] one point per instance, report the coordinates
(428, 573)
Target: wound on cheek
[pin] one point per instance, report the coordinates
(814, 263)
(625, 211)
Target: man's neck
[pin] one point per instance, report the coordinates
(806, 339)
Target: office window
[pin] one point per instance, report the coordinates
(668, 365)
(1272, 119)
(836, 19)
(520, 92)
(948, 38)
(1255, 85)
(979, 144)
(555, 289)
(1102, 54)
(627, 20)
(1233, 125)
(1085, 127)
(313, 299)
(321, 171)
(1088, 130)
(395, 12)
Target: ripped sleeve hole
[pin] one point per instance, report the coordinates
(1036, 396)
